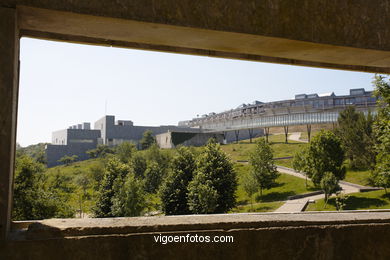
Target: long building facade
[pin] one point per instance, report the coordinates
(303, 109)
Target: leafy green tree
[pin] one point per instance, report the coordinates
(157, 165)
(341, 200)
(324, 154)
(100, 151)
(214, 173)
(161, 157)
(202, 196)
(299, 164)
(31, 199)
(382, 179)
(129, 199)
(263, 167)
(250, 186)
(114, 169)
(83, 183)
(174, 190)
(125, 151)
(35, 151)
(96, 173)
(139, 165)
(154, 176)
(329, 184)
(68, 159)
(382, 132)
(355, 132)
(147, 140)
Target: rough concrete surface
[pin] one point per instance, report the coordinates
(256, 236)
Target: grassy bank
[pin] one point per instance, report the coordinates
(356, 201)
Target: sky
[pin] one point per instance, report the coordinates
(63, 84)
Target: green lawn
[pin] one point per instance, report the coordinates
(241, 150)
(285, 163)
(356, 201)
(286, 185)
(81, 166)
(258, 207)
(358, 177)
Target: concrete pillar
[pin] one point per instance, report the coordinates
(237, 133)
(308, 132)
(9, 76)
(266, 131)
(224, 133)
(250, 134)
(286, 133)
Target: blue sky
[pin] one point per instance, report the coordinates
(63, 84)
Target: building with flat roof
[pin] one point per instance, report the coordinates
(304, 109)
(78, 139)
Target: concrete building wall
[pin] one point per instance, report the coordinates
(56, 152)
(172, 139)
(164, 140)
(243, 135)
(201, 139)
(113, 133)
(82, 134)
(60, 137)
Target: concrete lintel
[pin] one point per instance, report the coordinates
(73, 27)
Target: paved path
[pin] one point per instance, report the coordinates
(296, 137)
(298, 205)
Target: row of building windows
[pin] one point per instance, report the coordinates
(291, 119)
(318, 103)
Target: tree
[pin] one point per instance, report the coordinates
(31, 199)
(174, 190)
(263, 167)
(157, 165)
(341, 200)
(114, 169)
(202, 196)
(125, 151)
(147, 140)
(329, 184)
(324, 154)
(61, 189)
(129, 198)
(154, 153)
(138, 162)
(214, 174)
(83, 183)
(68, 159)
(100, 151)
(154, 175)
(382, 179)
(250, 186)
(355, 132)
(299, 164)
(382, 133)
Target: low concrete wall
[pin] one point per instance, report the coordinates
(357, 235)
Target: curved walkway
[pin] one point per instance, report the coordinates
(297, 205)
(296, 137)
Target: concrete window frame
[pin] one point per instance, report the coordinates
(60, 23)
